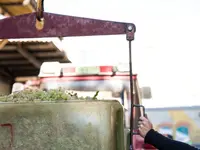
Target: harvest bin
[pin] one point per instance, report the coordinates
(71, 125)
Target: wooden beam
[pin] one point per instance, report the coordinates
(33, 3)
(7, 11)
(21, 68)
(8, 47)
(39, 45)
(6, 56)
(11, 55)
(25, 68)
(28, 4)
(3, 12)
(6, 72)
(11, 4)
(28, 56)
(13, 62)
(3, 43)
(52, 59)
(25, 73)
(51, 54)
(31, 8)
(20, 63)
(24, 79)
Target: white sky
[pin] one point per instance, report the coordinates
(165, 51)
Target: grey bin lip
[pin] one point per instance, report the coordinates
(60, 101)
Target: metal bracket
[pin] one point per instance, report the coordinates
(136, 132)
(130, 32)
(140, 106)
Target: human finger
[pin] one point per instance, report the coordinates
(140, 130)
(143, 118)
(139, 122)
(140, 126)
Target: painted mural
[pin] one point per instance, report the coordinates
(183, 123)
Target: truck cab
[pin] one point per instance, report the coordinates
(111, 81)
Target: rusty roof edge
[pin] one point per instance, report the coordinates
(33, 40)
(58, 44)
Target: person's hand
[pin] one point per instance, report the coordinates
(144, 126)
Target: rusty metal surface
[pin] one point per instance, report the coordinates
(74, 125)
(23, 26)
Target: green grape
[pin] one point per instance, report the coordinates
(36, 95)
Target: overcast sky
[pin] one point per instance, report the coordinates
(165, 51)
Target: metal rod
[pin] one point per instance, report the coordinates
(139, 100)
(131, 93)
(40, 10)
(40, 15)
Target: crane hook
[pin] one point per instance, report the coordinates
(40, 15)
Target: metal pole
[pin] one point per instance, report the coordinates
(40, 9)
(131, 94)
(40, 15)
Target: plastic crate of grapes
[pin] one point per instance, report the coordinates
(69, 125)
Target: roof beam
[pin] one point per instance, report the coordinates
(11, 4)
(26, 73)
(28, 56)
(40, 45)
(3, 43)
(24, 79)
(21, 68)
(7, 11)
(61, 60)
(6, 72)
(10, 55)
(30, 4)
(24, 3)
(13, 62)
(51, 54)
(3, 12)
(30, 45)
(8, 47)
(25, 68)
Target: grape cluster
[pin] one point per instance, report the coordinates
(37, 95)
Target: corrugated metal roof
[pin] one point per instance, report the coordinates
(34, 40)
(56, 41)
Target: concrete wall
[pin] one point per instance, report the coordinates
(5, 85)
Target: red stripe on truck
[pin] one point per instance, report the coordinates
(119, 77)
